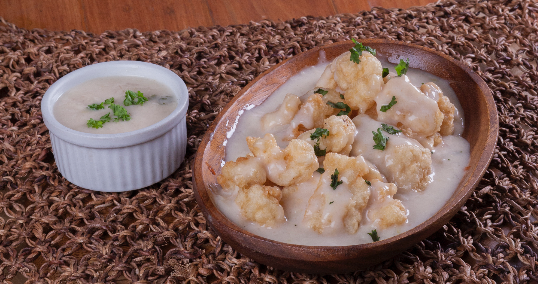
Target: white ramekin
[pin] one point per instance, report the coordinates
(123, 161)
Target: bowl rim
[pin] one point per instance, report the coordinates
(107, 69)
(202, 196)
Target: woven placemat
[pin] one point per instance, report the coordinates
(51, 230)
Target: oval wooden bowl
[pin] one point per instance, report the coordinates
(481, 130)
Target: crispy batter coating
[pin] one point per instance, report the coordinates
(293, 165)
(350, 198)
(260, 204)
(404, 161)
(361, 96)
(310, 115)
(445, 106)
(350, 168)
(422, 121)
(384, 210)
(243, 173)
(327, 79)
(341, 135)
(284, 114)
(347, 73)
(448, 109)
(360, 82)
(409, 167)
(389, 214)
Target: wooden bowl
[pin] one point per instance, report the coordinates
(481, 130)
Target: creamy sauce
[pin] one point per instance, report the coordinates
(72, 110)
(448, 166)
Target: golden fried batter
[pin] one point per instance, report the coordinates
(261, 204)
(293, 165)
(284, 114)
(243, 173)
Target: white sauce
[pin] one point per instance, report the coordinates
(448, 165)
(72, 110)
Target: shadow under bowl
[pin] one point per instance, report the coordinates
(481, 130)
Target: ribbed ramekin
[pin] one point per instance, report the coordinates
(123, 161)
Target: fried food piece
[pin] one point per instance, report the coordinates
(293, 165)
(332, 209)
(310, 115)
(327, 79)
(409, 167)
(422, 121)
(347, 73)
(445, 106)
(260, 204)
(284, 114)
(361, 82)
(341, 135)
(243, 173)
(404, 161)
(448, 109)
(385, 211)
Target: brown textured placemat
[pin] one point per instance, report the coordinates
(51, 230)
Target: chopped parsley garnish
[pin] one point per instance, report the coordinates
(96, 106)
(120, 112)
(342, 96)
(402, 67)
(340, 105)
(318, 151)
(384, 108)
(320, 170)
(331, 202)
(321, 91)
(368, 182)
(357, 50)
(132, 98)
(320, 132)
(334, 179)
(101, 105)
(389, 129)
(380, 140)
(374, 235)
(94, 123)
(98, 123)
(385, 72)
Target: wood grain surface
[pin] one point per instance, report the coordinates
(97, 16)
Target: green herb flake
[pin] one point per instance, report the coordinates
(321, 91)
(402, 67)
(120, 112)
(318, 151)
(340, 105)
(356, 51)
(380, 140)
(96, 106)
(334, 179)
(320, 170)
(342, 96)
(384, 108)
(132, 98)
(109, 101)
(105, 118)
(374, 235)
(385, 72)
(331, 202)
(368, 182)
(101, 105)
(320, 132)
(390, 129)
(94, 123)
